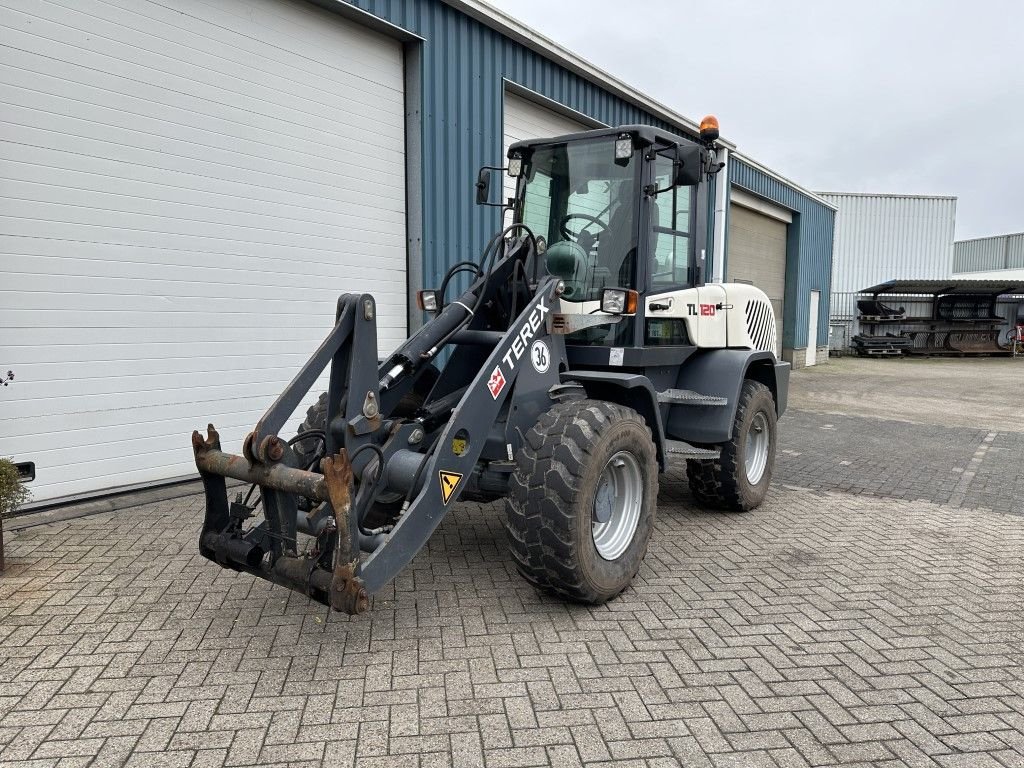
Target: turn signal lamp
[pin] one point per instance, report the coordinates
(709, 128)
(619, 301)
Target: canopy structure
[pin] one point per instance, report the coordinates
(948, 287)
(940, 317)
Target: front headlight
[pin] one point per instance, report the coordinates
(623, 147)
(619, 301)
(427, 300)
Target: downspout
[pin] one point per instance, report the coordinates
(721, 205)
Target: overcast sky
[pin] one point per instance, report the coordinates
(903, 96)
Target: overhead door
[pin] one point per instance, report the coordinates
(757, 255)
(185, 190)
(525, 119)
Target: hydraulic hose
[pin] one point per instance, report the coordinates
(428, 341)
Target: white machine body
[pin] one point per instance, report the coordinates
(720, 315)
(717, 315)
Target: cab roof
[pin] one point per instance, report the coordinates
(645, 135)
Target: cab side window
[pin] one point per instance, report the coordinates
(670, 231)
(537, 207)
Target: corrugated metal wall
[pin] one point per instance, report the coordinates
(988, 253)
(890, 237)
(463, 65)
(886, 237)
(809, 251)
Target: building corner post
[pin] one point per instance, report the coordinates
(721, 214)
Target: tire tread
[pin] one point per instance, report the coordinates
(543, 490)
(717, 483)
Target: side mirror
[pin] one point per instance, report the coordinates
(689, 165)
(483, 186)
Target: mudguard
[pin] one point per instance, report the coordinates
(721, 372)
(630, 389)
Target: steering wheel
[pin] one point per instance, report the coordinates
(574, 236)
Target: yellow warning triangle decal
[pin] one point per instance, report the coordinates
(449, 482)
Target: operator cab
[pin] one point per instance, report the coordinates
(619, 210)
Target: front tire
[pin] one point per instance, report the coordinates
(582, 500)
(738, 480)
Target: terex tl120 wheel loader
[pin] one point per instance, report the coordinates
(586, 352)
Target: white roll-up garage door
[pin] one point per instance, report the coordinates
(185, 190)
(757, 254)
(526, 119)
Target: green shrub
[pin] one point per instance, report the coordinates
(13, 493)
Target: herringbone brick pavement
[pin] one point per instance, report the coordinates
(955, 465)
(822, 629)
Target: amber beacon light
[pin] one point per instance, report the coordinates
(709, 128)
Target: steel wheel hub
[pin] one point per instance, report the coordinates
(755, 453)
(617, 505)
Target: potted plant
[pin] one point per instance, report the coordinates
(13, 492)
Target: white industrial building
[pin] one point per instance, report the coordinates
(880, 237)
(990, 258)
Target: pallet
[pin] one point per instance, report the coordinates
(880, 318)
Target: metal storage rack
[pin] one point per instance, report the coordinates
(962, 318)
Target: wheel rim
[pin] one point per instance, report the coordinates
(617, 505)
(756, 452)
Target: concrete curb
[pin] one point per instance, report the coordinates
(111, 503)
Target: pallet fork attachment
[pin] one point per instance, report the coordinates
(370, 452)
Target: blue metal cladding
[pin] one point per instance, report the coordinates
(808, 252)
(464, 63)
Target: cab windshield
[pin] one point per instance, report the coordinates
(583, 204)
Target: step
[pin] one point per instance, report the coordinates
(681, 449)
(689, 397)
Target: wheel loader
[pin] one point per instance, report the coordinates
(585, 354)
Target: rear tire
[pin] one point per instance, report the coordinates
(316, 421)
(738, 480)
(387, 504)
(316, 416)
(582, 500)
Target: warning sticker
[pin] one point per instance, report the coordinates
(449, 482)
(496, 382)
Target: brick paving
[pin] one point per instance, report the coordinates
(825, 628)
(903, 460)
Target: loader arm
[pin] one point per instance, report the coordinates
(452, 461)
(429, 457)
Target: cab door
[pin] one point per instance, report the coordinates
(672, 267)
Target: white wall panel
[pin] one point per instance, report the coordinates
(525, 119)
(185, 190)
(889, 237)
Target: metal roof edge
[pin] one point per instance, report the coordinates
(500, 21)
(946, 287)
(889, 194)
(1002, 273)
(987, 237)
(815, 196)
